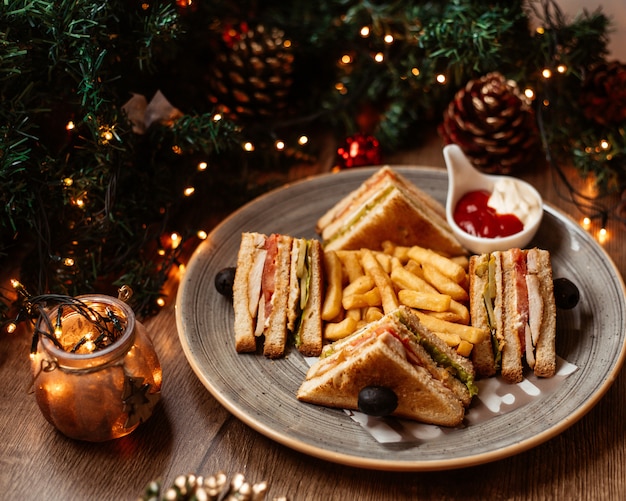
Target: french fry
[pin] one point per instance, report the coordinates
(372, 314)
(424, 300)
(448, 316)
(339, 330)
(334, 291)
(415, 268)
(462, 261)
(445, 266)
(372, 267)
(451, 339)
(400, 252)
(354, 313)
(350, 261)
(384, 260)
(457, 313)
(369, 298)
(461, 311)
(444, 283)
(471, 334)
(359, 285)
(405, 279)
(388, 247)
(395, 264)
(464, 348)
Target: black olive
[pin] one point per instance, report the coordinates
(224, 280)
(566, 294)
(377, 400)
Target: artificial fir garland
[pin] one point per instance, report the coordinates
(90, 202)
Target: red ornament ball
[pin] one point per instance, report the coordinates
(359, 150)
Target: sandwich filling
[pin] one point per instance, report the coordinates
(303, 272)
(489, 297)
(440, 356)
(264, 280)
(418, 349)
(335, 231)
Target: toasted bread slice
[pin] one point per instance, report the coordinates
(337, 381)
(538, 263)
(247, 289)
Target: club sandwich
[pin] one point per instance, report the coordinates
(387, 207)
(277, 294)
(432, 382)
(512, 296)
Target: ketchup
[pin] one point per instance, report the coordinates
(475, 217)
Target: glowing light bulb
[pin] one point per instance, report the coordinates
(302, 140)
(546, 73)
(415, 71)
(379, 57)
(365, 31)
(586, 223)
(561, 68)
(280, 145)
(603, 235)
(529, 93)
(202, 235)
(89, 344)
(346, 59)
(540, 30)
(68, 181)
(604, 144)
(160, 302)
(217, 117)
(441, 78)
(11, 328)
(388, 39)
(68, 261)
(176, 239)
(341, 88)
(248, 146)
(189, 191)
(202, 166)
(70, 125)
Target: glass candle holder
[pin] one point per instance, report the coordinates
(101, 394)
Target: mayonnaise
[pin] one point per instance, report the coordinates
(508, 198)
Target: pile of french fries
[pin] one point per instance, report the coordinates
(363, 285)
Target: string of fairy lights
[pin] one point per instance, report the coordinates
(108, 133)
(385, 41)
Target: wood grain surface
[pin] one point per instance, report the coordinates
(190, 432)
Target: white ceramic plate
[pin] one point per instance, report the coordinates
(261, 392)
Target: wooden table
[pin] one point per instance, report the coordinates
(190, 432)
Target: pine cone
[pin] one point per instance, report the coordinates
(603, 93)
(492, 123)
(252, 74)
